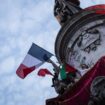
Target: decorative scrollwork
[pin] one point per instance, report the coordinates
(89, 41)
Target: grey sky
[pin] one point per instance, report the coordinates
(21, 23)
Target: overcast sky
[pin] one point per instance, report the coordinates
(21, 23)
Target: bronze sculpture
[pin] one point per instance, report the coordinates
(78, 44)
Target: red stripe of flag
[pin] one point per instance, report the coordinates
(44, 72)
(70, 69)
(23, 71)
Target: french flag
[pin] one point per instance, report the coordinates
(35, 57)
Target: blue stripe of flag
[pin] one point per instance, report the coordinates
(39, 53)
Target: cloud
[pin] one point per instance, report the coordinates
(21, 23)
(7, 65)
(87, 3)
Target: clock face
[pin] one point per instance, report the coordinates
(86, 47)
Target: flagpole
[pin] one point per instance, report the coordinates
(56, 68)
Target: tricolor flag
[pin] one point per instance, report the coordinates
(36, 57)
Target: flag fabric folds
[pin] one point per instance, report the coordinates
(35, 57)
(44, 72)
(63, 74)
